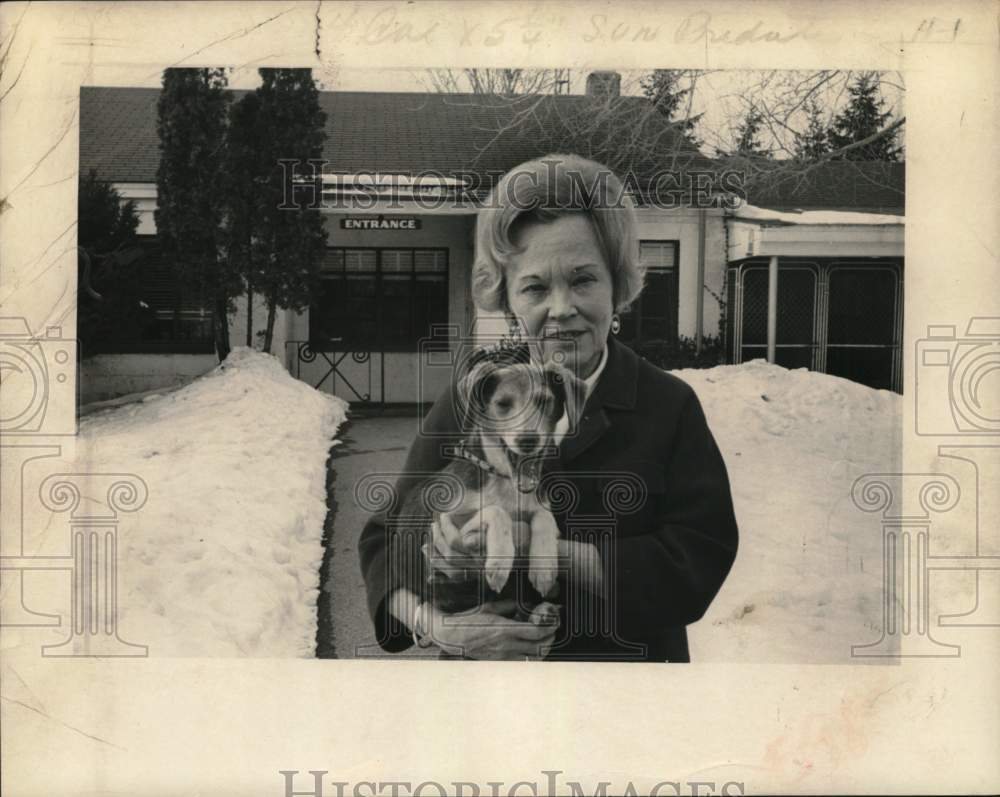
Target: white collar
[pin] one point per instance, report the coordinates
(591, 380)
(562, 425)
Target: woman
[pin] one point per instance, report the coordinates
(650, 535)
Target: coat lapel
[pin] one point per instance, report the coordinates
(615, 388)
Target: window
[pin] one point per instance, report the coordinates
(146, 308)
(385, 299)
(653, 316)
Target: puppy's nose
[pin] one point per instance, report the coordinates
(528, 441)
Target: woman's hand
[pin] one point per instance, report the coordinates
(453, 550)
(487, 632)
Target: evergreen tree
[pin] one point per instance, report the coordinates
(814, 142)
(191, 123)
(109, 306)
(245, 180)
(864, 117)
(662, 88)
(747, 142)
(289, 243)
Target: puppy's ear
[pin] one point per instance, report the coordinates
(570, 392)
(477, 386)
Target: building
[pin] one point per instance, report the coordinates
(395, 283)
(827, 244)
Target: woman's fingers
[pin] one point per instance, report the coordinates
(447, 531)
(464, 541)
(440, 564)
(441, 554)
(472, 535)
(487, 633)
(533, 633)
(533, 649)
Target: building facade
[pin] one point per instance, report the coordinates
(395, 288)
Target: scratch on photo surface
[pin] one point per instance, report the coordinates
(236, 34)
(60, 722)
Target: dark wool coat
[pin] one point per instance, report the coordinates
(644, 481)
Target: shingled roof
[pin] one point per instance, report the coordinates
(410, 132)
(398, 132)
(861, 186)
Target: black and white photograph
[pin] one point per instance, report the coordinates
(385, 340)
(659, 296)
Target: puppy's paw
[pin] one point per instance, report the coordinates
(543, 577)
(497, 571)
(499, 547)
(545, 613)
(544, 553)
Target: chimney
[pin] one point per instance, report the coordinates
(604, 84)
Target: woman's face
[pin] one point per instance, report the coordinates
(560, 289)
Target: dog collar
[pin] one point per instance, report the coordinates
(526, 484)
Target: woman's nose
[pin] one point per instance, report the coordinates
(561, 304)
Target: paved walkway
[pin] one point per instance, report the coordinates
(369, 445)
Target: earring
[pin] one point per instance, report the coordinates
(513, 331)
(616, 324)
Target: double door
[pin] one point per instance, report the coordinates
(838, 317)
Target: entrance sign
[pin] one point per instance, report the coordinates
(380, 223)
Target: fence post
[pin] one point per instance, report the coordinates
(772, 306)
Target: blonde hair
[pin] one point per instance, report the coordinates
(557, 185)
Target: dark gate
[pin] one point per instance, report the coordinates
(862, 341)
(839, 317)
(357, 376)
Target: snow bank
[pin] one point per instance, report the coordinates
(834, 217)
(807, 580)
(224, 558)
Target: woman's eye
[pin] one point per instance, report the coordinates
(534, 288)
(583, 280)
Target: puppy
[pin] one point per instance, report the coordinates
(512, 408)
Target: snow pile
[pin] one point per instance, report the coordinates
(224, 558)
(834, 217)
(807, 583)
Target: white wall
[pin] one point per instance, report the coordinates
(238, 326)
(107, 376)
(143, 195)
(682, 226)
(752, 239)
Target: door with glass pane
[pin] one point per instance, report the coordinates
(838, 317)
(863, 324)
(796, 333)
(373, 305)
